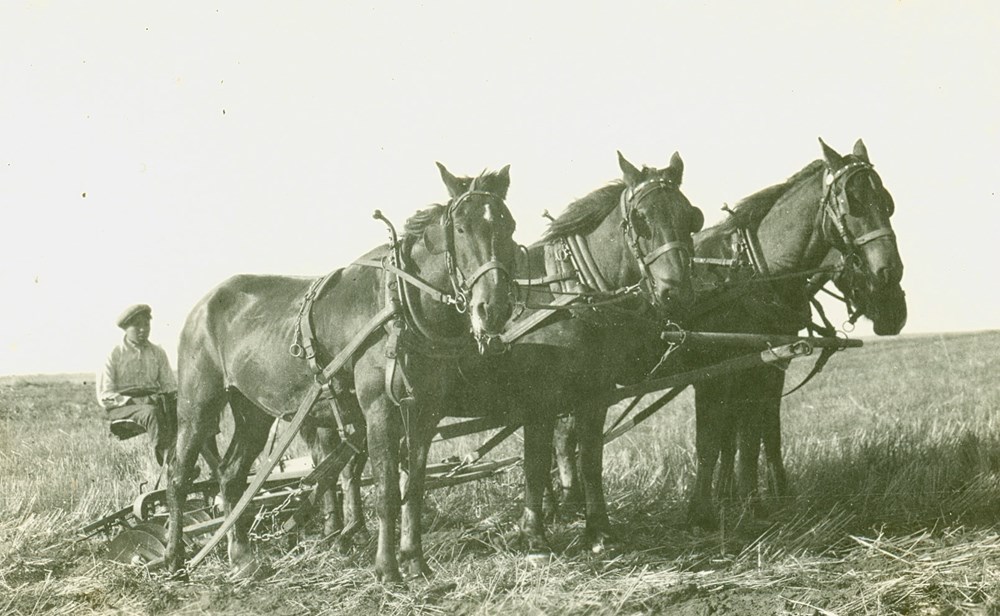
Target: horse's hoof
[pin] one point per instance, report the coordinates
(342, 545)
(419, 570)
(704, 520)
(539, 558)
(390, 578)
(252, 569)
(179, 575)
(605, 545)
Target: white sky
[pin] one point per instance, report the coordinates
(219, 138)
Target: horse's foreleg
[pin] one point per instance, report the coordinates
(770, 434)
(411, 548)
(383, 448)
(710, 417)
(599, 535)
(537, 473)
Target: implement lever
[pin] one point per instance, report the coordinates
(753, 341)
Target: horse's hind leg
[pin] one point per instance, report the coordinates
(251, 426)
(355, 531)
(571, 497)
(323, 442)
(200, 403)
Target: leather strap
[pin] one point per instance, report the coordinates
(665, 248)
(345, 354)
(439, 295)
(525, 325)
(546, 280)
(871, 236)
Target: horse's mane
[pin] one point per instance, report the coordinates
(414, 227)
(751, 210)
(585, 214)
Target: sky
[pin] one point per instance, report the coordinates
(148, 151)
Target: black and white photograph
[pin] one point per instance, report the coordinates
(451, 307)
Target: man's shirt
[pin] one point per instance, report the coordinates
(130, 367)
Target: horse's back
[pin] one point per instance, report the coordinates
(241, 303)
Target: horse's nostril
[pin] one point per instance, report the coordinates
(482, 310)
(888, 276)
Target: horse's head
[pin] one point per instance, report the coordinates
(658, 220)
(856, 209)
(478, 234)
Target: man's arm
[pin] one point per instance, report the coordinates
(107, 394)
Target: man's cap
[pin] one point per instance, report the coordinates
(131, 312)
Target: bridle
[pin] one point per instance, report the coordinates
(834, 209)
(460, 283)
(630, 200)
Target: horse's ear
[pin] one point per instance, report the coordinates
(677, 166)
(832, 158)
(861, 151)
(503, 179)
(631, 175)
(453, 184)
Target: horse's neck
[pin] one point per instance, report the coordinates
(433, 269)
(611, 255)
(789, 234)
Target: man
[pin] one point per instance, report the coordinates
(137, 387)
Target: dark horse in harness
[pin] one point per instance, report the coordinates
(603, 280)
(363, 322)
(837, 207)
(754, 273)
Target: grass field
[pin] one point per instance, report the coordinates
(893, 454)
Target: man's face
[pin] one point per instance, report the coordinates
(137, 330)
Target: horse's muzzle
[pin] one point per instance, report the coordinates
(491, 344)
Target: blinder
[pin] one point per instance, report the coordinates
(634, 226)
(836, 207)
(698, 220)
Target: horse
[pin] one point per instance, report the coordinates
(604, 277)
(772, 244)
(391, 330)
